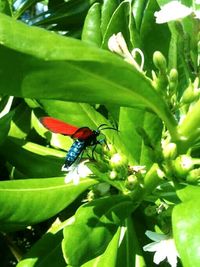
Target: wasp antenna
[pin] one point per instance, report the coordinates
(110, 128)
(101, 125)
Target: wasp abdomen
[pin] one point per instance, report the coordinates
(75, 150)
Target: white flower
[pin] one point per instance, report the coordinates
(117, 44)
(172, 11)
(76, 173)
(163, 246)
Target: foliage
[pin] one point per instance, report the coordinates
(55, 61)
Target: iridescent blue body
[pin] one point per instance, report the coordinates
(74, 151)
(78, 147)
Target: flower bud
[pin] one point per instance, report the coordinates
(193, 176)
(173, 76)
(117, 160)
(102, 188)
(113, 175)
(170, 151)
(173, 80)
(191, 93)
(159, 61)
(131, 182)
(182, 165)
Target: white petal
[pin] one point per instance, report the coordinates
(155, 236)
(76, 179)
(172, 259)
(154, 246)
(113, 44)
(172, 11)
(68, 178)
(159, 256)
(172, 253)
(83, 169)
(72, 176)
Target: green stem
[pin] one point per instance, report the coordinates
(152, 179)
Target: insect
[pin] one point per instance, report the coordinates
(83, 136)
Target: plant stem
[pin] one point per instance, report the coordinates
(152, 179)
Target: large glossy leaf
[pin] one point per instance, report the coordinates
(78, 114)
(186, 221)
(70, 70)
(32, 159)
(29, 201)
(98, 221)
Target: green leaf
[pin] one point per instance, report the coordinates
(20, 124)
(118, 23)
(138, 7)
(188, 193)
(29, 201)
(107, 10)
(33, 160)
(5, 126)
(48, 249)
(186, 229)
(93, 75)
(108, 258)
(156, 37)
(6, 7)
(129, 251)
(79, 114)
(98, 221)
(134, 34)
(133, 124)
(91, 30)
